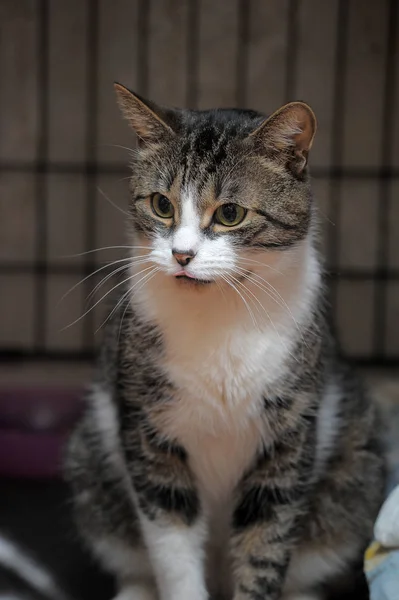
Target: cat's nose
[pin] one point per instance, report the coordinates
(183, 257)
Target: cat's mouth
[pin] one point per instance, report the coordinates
(190, 279)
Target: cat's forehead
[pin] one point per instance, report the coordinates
(203, 181)
(210, 131)
(208, 147)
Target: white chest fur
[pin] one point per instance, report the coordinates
(216, 416)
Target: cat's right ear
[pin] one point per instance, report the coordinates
(288, 135)
(148, 120)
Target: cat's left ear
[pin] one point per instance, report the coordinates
(150, 122)
(288, 134)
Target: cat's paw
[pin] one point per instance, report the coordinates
(137, 591)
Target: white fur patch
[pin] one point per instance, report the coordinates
(328, 421)
(106, 416)
(187, 236)
(176, 553)
(123, 560)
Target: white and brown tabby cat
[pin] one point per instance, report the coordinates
(226, 450)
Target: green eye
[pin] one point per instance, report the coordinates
(230, 215)
(161, 206)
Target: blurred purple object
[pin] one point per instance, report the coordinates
(34, 424)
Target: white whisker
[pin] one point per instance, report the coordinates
(151, 275)
(266, 312)
(283, 304)
(110, 275)
(260, 263)
(133, 150)
(227, 280)
(105, 248)
(251, 293)
(120, 301)
(126, 298)
(274, 295)
(107, 266)
(104, 296)
(221, 290)
(104, 195)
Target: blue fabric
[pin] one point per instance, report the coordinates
(384, 578)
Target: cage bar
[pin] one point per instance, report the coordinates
(40, 270)
(387, 143)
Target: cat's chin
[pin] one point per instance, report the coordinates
(186, 281)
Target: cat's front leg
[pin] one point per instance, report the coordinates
(270, 506)
(176, 552)
(170, 515)
(261, 547)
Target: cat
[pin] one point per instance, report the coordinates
(226, 449)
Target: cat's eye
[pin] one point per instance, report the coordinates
(230, 215)
(162, 206)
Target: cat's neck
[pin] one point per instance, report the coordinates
(275, 300)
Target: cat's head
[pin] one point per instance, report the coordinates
(210, 187)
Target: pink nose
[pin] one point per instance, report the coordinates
(183, 257)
